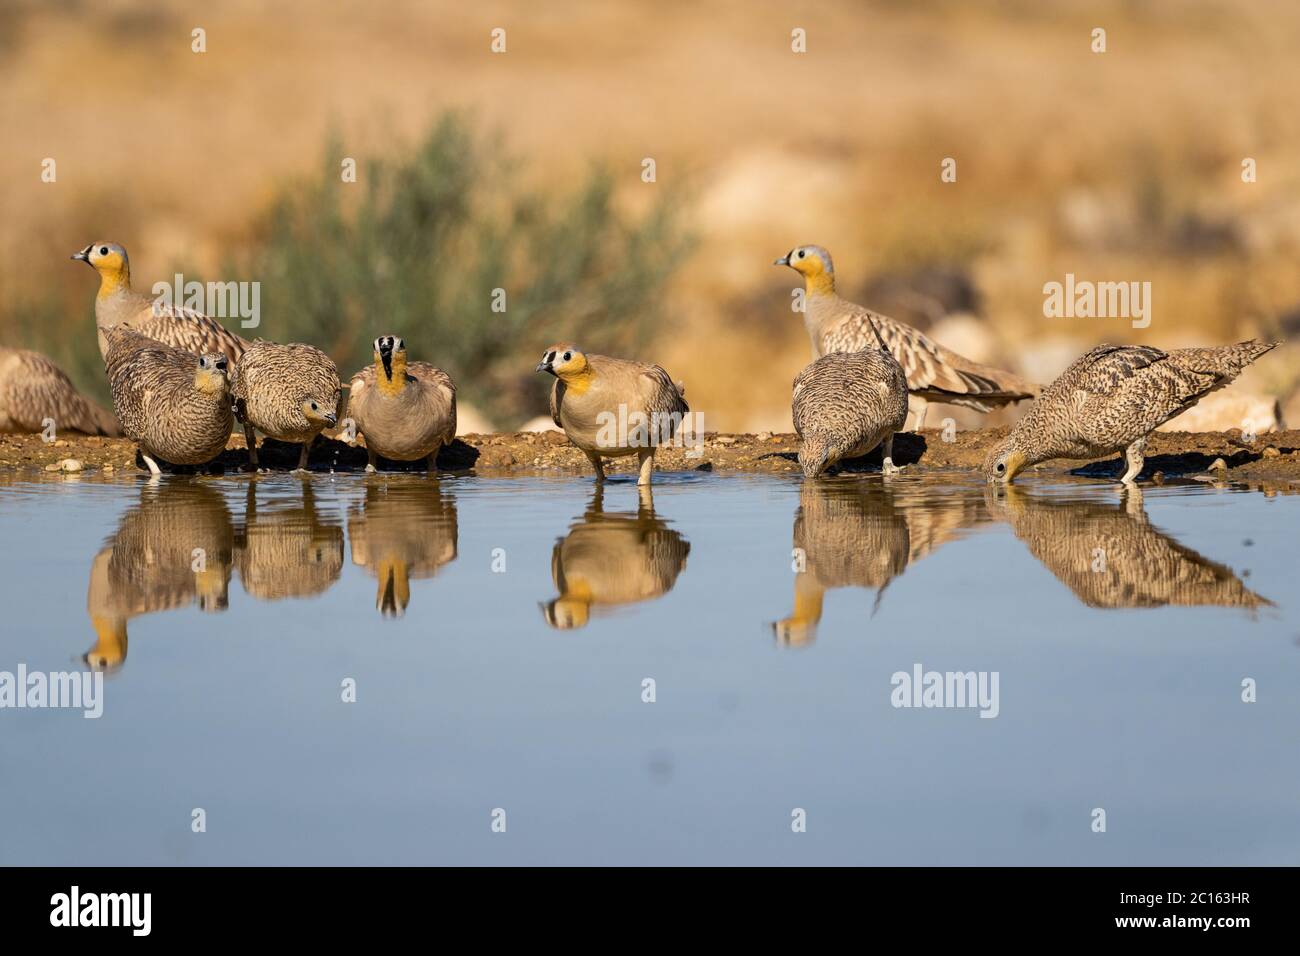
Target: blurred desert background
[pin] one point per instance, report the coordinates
(523, 170)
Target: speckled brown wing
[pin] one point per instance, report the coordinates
(188, 330)
(846, 401)
(158, 403)
(270, 380)
(136, 364)
(33, 388)
(1125, 392)
(933, 372)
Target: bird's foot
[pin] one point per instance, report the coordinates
(888, 468)
(370, 469)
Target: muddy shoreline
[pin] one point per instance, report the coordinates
(1274, 456)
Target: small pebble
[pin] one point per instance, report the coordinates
(724, 440)
(764, 436)
(1271, 452)
(1218, 465)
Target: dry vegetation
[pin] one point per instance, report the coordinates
(1117, 166)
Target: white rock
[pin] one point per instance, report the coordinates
(542, 423)
(966, 335)
(1228, 409)
(470, 421)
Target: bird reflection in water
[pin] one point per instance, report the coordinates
(863, 533)
(289, 549)
(402, 530)
(613, 558)
(1112, 556)
(175, 547)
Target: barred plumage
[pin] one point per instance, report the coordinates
(33, 389)
(288, 392)
(845, 404)
(1111, 399)
(175, 405)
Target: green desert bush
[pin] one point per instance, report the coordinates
(419, 244)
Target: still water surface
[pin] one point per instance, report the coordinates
(499, 633)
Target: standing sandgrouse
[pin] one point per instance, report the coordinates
(934, 373)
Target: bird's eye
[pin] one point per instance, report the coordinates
(802, 253)
(313, 406)
(1001, 467)
(103, 250)
(567, 356)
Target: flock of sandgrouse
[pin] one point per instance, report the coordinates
(179, 380)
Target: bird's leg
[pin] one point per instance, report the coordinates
(432, 463)
(370, 465)
(306, 450)
(154, 470)
(1134, 456)
(646, 456)
(595, 463)
(250, 439)
(919, 412)
(887, 466)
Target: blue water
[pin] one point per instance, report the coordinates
(499, 633)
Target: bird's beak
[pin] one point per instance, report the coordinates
(82, 256)
(331, 419)
(783, 261)
(543, 366)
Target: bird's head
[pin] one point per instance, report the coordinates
(813, 263)
(109, 260)
(1005, 461)
(320, 410)
(390, 355)
(109, 652)
(566, 613)
(793, 632)
(565, 362)
(212, 589)
(813, 456)
(212, 375)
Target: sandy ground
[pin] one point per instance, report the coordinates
(1271, 457)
